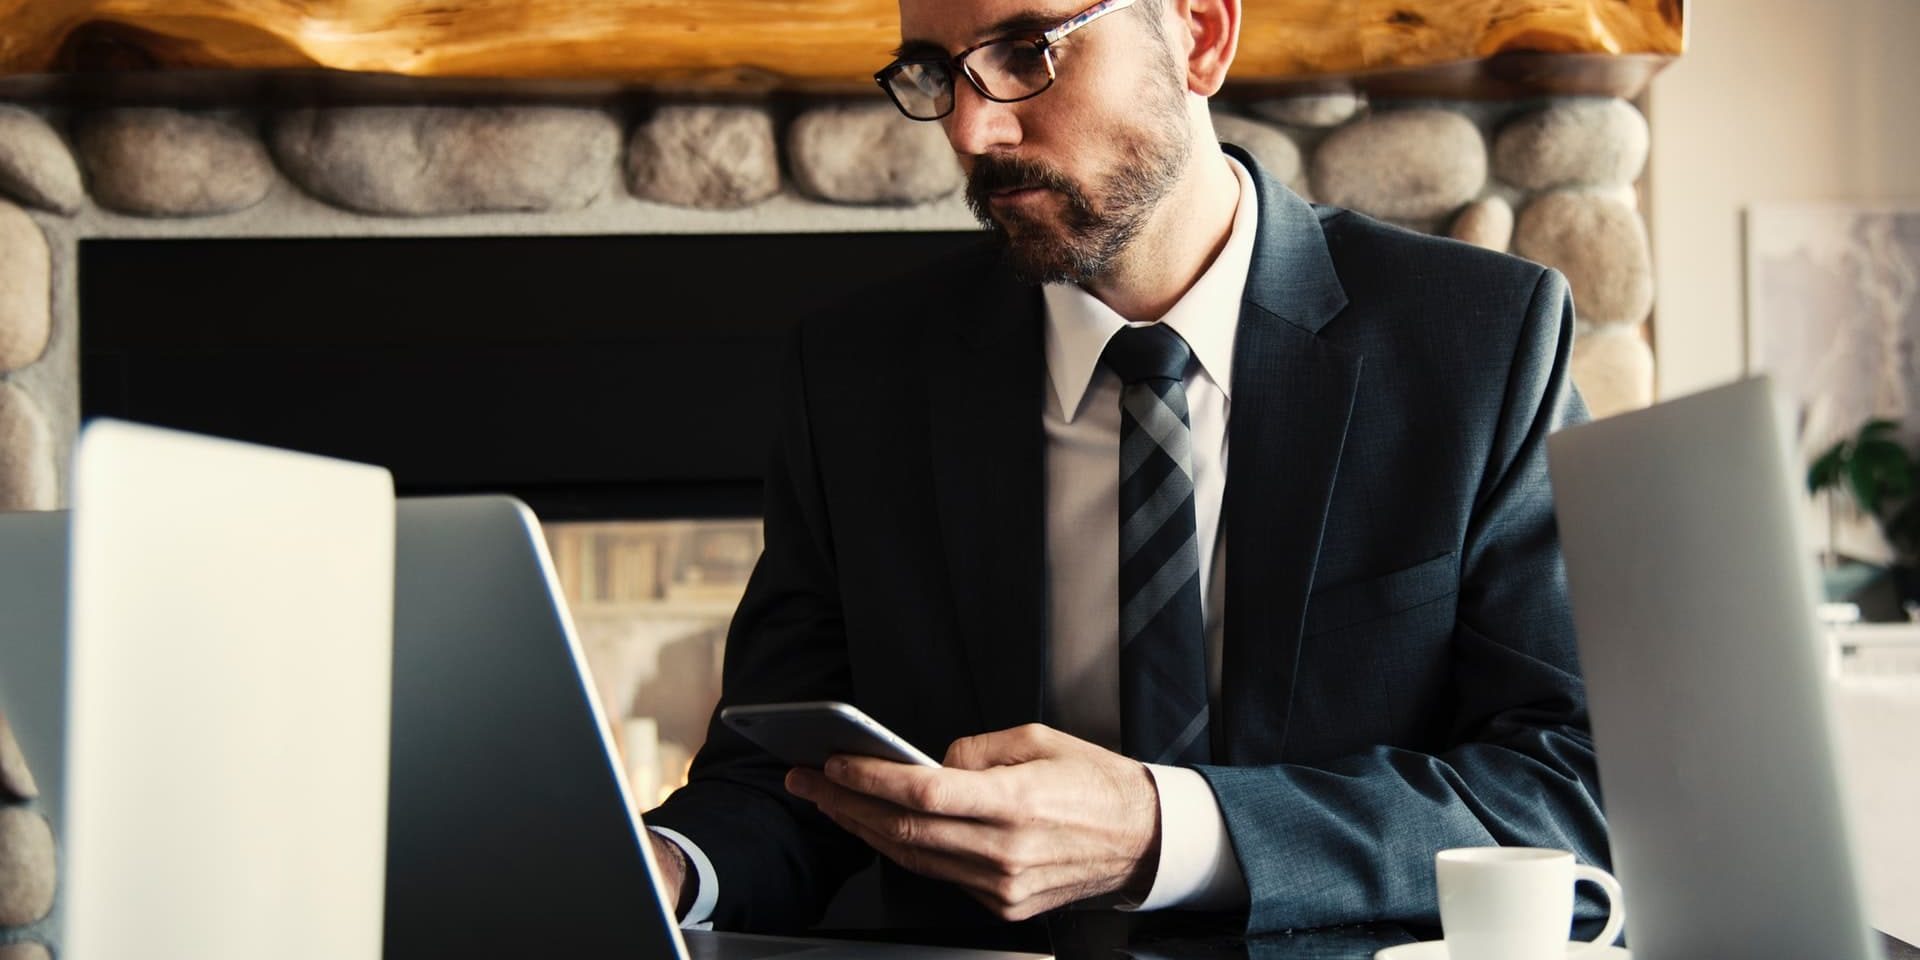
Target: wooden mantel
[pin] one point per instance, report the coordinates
(800, 44)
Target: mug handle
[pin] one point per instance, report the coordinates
(1616, 907)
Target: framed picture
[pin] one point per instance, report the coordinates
(1833, 315)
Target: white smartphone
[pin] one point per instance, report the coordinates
(806, 734)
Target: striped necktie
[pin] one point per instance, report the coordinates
(1163, 666)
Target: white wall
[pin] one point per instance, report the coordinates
(1775, 100)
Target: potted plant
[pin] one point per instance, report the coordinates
(1878, 475)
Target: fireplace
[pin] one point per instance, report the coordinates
(594, 377)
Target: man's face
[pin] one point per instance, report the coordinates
(1069, 178)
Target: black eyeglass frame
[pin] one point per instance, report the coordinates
(957, 63)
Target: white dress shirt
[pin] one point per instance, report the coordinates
(1082, 423)
(1081, 419)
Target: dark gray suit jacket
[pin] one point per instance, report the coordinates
(1399, 666)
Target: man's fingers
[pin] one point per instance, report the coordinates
(938, 864)
(949, 793)
(969, 753)
(1011, 896)
(1017, 897)
(991, 859)
(958, 836)
(1002, 748)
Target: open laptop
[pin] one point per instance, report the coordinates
(512, 828)
(1693, 598)
(33, 633)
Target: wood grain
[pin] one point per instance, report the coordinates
(727, 44)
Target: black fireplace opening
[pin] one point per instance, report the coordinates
(594, 377)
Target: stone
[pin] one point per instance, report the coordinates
(16, 780)
(1272, 149)
(869, 154)
(27, 478)
(36, 167)
(712, 157)
(1487, 222)
(25, 950)
(1571, 144)
(26, 867)
(26, 289)
(1626, 194)
(432, 161)
(1407, 165)
(1600, 244)
(160, 162)
(1613, 367)
(1312, 110)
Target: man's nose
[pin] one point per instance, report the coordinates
(977, 125)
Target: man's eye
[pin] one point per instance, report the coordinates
(1027, 57)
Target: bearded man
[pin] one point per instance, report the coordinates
(1207, 532)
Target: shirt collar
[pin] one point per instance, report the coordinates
(1206, 317)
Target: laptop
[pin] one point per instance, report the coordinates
(33, 632)
(228, 633)
(512, 827)
(1693, 599)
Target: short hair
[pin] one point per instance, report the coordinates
(1154, 11)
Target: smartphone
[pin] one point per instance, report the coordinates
(806, 734)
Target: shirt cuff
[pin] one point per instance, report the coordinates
(1198, 869)
(700, 914)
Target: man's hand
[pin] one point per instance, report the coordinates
(1024, 820)
(673, 870)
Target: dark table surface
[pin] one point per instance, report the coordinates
(1106, 935)
(1345, 943)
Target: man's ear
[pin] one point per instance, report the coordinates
(1212, 32)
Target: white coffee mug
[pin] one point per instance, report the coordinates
(1516, 903)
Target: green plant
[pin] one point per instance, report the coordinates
(1878, 473)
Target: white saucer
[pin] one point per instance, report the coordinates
(1437, 950)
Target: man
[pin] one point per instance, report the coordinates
(1003, 519)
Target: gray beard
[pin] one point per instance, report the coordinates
(1084, 245)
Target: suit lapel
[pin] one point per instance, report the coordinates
(986, 373)
(1293, 395)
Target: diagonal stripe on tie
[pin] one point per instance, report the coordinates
(1185, 739)
(1154, 512)
(1137, 446)
(1165, 680)
(1136, 571)
(1141, 608)
(1164, 426)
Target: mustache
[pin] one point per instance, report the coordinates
(994, 173)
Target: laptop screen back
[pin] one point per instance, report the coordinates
(1692, 597)
(230, 642)
(512, 829)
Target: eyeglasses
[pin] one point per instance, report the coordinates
(1006, 70)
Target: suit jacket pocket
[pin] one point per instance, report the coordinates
(1359, 601)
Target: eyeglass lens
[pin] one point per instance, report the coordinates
(924, 90)
(1006, 70)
